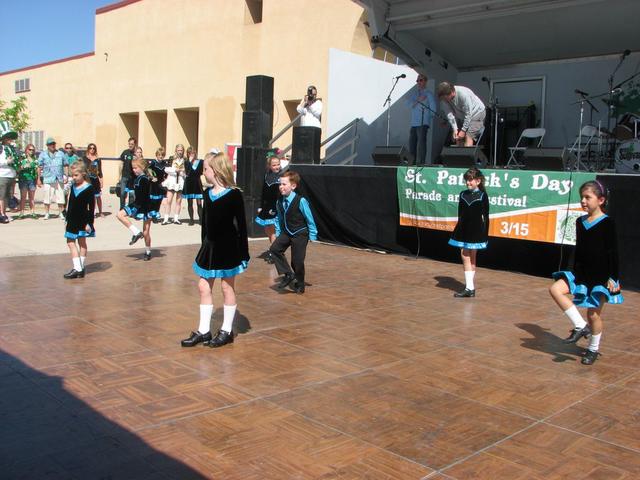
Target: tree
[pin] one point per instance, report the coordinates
(17, 114)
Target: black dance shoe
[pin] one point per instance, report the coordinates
(73, 273)
(298, 287)
(147, 256)
(589, 357)
(269, 258)
(577, 334)
(286, 280)
(466, 293)
(136, 237)
(222, 338)
(196, 338)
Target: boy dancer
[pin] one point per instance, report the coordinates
(295, 227)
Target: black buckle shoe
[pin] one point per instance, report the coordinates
(136, 237)
(196, 338)
(222, 338)
(298, 287)
(577, 334)
(589, 357)
(466, 293)
(269, 258)
(147, 256)
(73, 273)
(286, 280)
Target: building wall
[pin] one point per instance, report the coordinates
(184, 63)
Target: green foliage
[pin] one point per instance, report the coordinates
(17, 114)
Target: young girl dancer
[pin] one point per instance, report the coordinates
(224, 252)
(174, 184)
(270, 192)
(472, 231)
(593, 278)
(158, 193)
(94, 169)
(80, 207)
(142, 207)
(192, 184)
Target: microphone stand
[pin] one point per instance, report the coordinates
(387, 103)
(611, 107)
(493, 103)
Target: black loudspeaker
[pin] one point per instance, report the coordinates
(259, 94)
(551, 159)
(391, 156)
(251, 168)
(251, 206)
(257, 129)
(463, 157)
(306, 145)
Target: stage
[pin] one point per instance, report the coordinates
(375, 372)
(358, 206)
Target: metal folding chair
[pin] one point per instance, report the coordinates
(527, 134)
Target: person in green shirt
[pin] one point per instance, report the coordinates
(28, 174)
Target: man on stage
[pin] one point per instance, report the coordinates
(423, 106)
(465, 112)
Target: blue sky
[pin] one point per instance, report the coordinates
(38, 31)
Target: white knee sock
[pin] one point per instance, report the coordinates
(227, 320)
(594, 342)
(77, 266)
(82, 261)
(175, 217)
(468, 279)
(134, 229)
(205, 318)
(166, 217)
(575, 317)
(147, 250)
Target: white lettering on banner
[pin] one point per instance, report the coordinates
(413, 177)
(518, 229)
(432, 195)
(541, 182)
(451, 179)
(504, 200)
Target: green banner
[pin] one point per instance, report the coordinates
(524, 204)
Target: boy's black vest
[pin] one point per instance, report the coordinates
(293, 222)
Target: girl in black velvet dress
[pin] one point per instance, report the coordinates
(472, 230)
(267, 216)
(80, 208)
(143, 207)
(192, 184)
(224, 252)
(593, 275)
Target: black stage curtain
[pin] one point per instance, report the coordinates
(358, 206)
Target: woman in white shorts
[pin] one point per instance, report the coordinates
(174, 184)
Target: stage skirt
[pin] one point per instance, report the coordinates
(80, 233)
(468, 246)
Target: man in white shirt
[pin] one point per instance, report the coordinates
(464, 110)
(310, 108)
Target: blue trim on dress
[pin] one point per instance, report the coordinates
(587, 225)
(213, 196)
(189, 196)
(473, 201)
(99, 194)
(81, 233)
(265, 222)
(230, 272)
(79, 190)
(133, 213)
(581, 296)
(156, 197)
(468, 246)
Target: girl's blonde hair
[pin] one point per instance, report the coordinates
(179, 145)
(191, 150)
(79, 167)
(143, 163)
(222, 169)
(160, 152)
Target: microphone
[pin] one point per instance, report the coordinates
(401, 76)
(626, 53)
(580, 92)
(485, 79)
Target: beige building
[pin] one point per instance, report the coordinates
(173, 71)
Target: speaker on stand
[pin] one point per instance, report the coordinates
(463, 157)
(306, 145)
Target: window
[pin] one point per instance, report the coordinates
(252, 12)
(35, 137)
(23, 85)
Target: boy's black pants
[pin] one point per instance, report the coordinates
(298, 254)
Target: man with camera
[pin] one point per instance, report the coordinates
(310, 108)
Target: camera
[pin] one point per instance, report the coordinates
(310, 93)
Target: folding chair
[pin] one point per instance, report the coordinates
(529, 134)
